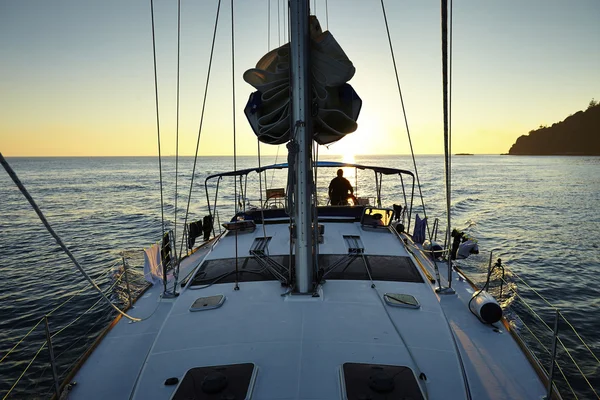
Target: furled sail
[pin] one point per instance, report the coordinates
(336, 104)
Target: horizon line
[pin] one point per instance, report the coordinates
(239, 155)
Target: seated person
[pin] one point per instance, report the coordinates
(377, 219)
(339, 188)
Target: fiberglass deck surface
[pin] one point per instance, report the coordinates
(299, 343)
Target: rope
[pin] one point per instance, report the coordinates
(273, 173)
(404, 112)
(110, 288)
(25, 193)
(162, 213)
(212, 50)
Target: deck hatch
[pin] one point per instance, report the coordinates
(260, 245)
(222, 270)
(381, 268)
(234, 381)
(376, 381)
(401, 300)
(354, 244)
(207, 303)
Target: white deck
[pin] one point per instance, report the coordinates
(299, 343)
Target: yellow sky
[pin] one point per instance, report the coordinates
(78, 80)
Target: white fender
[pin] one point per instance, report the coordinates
(467, 248)
(485, 307)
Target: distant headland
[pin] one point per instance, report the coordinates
(578, 134)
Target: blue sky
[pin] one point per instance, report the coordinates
(77, 76)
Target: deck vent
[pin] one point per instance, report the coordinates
(354, 244)
(401, 300)
(376, 381)
(260, 245)
(235, 381)
(207, 303)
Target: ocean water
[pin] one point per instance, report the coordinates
(538, 214)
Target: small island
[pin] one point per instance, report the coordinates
(578, 134)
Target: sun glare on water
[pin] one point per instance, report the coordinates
(348, 158)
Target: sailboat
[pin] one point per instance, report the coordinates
(294, 299)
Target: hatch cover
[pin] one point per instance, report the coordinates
(207, 303)
(234, 381)
(376, 381)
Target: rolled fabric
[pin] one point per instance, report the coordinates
(263, 80)
(269, 61)
(336, 105)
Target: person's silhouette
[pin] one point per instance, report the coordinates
(339, 188)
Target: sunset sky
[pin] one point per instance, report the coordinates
(76, 77)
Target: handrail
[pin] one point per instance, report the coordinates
(107, 273)
(559, 315)
(48, 314)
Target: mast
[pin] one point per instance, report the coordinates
(302, 132)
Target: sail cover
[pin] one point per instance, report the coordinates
(336, 104)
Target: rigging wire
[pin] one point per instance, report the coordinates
(450, 92)
(273, 173)
(162, 212)
(76, 293)
(177, 125)
(212, 50)
(532, 311)
(404, 112)
(24, 371)
(59, 241)
(20, 341)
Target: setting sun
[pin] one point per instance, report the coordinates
(348, 158)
